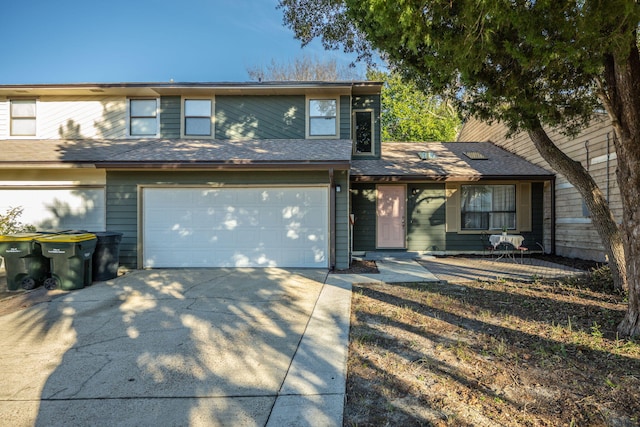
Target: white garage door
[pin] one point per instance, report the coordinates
(235, 227)
(57, 208)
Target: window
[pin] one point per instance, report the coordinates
(486, 207)
(197, 117)
(363, 131)
(143, 117)
(23, 117)
(323, 117)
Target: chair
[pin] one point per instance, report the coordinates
(522, 250)
(486, 244)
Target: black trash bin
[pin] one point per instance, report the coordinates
(24, 263)
(70, 255)
(106, 257)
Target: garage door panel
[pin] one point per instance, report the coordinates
(235, 227)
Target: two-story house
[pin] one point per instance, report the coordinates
(288, 174)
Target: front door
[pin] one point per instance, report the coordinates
(391, 216)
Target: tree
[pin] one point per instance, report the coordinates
(408, 114)
(531, 64)
(304, 68)
(10, 224)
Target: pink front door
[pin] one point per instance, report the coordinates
(390, 216)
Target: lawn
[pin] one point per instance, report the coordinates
(500, 353)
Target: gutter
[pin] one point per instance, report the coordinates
(235, 165)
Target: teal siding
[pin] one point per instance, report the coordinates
(122, 201)
(363, 206)
(345, 117)
(473, 242)
(342, 221)
(170, 117)
(260, 117)
(371, 102)
(426, 217)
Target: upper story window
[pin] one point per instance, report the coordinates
(363, 132)
(23, 117)
(197, 117)
(323, 117)
(143, 117)
(487, 207)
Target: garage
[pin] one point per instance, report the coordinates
(235, 227)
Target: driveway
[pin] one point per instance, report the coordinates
(241, 347)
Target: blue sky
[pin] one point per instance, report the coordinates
(84, 41)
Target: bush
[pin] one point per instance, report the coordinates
(9, 222)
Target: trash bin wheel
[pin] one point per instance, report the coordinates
(50, 283)
(28, 283)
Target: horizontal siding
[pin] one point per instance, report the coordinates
(4, 118)
(81, 117)
(363, 206)
(426, 217)
(260, 117)
(342, 221)
(170, 117)
(345, 117)
(122, 197)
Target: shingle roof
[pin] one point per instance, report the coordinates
(401, 160)
(176, 151)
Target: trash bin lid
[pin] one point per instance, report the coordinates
(19, 237)
(67, 238)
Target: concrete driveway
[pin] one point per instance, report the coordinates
(240, 347)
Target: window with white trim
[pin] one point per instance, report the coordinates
(363, 131)
(143, 117)
(23, 117)
(323, 117)
(488, 207)
(197, 117)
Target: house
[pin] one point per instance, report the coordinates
(572, 232)
(288, 174)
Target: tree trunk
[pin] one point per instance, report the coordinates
(601, 216)
(622, 98)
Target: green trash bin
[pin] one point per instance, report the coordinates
(70, 255)
(25, 266)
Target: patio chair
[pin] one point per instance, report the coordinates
(522, 250)
(487, 247)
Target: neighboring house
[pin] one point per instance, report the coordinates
(572, 233)
(250, 174)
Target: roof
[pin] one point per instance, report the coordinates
(400, 161)
(178, 153)
(183, 88)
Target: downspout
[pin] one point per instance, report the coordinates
(332, 221)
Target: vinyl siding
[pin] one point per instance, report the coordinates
(122, 200)
(575, 235)
(170, 117)
(426, 217)
(4, 118)
(260, 117)
(345, 117)
(81, 117)
(342, 221)
(363, 206)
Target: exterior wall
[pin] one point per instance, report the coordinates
(429, 218)
(79, 117)
(123, 204)
(170, 116)
(4, 123)
(593, 148)
(370, 102)
(261, 117)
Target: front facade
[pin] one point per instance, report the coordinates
(571, 234)
(245, 175)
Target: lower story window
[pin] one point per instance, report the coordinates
(487, 207)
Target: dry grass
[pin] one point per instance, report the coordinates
(490, 353)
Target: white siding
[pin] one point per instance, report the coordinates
(4, 118)
(81, 117)
(575, 236)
